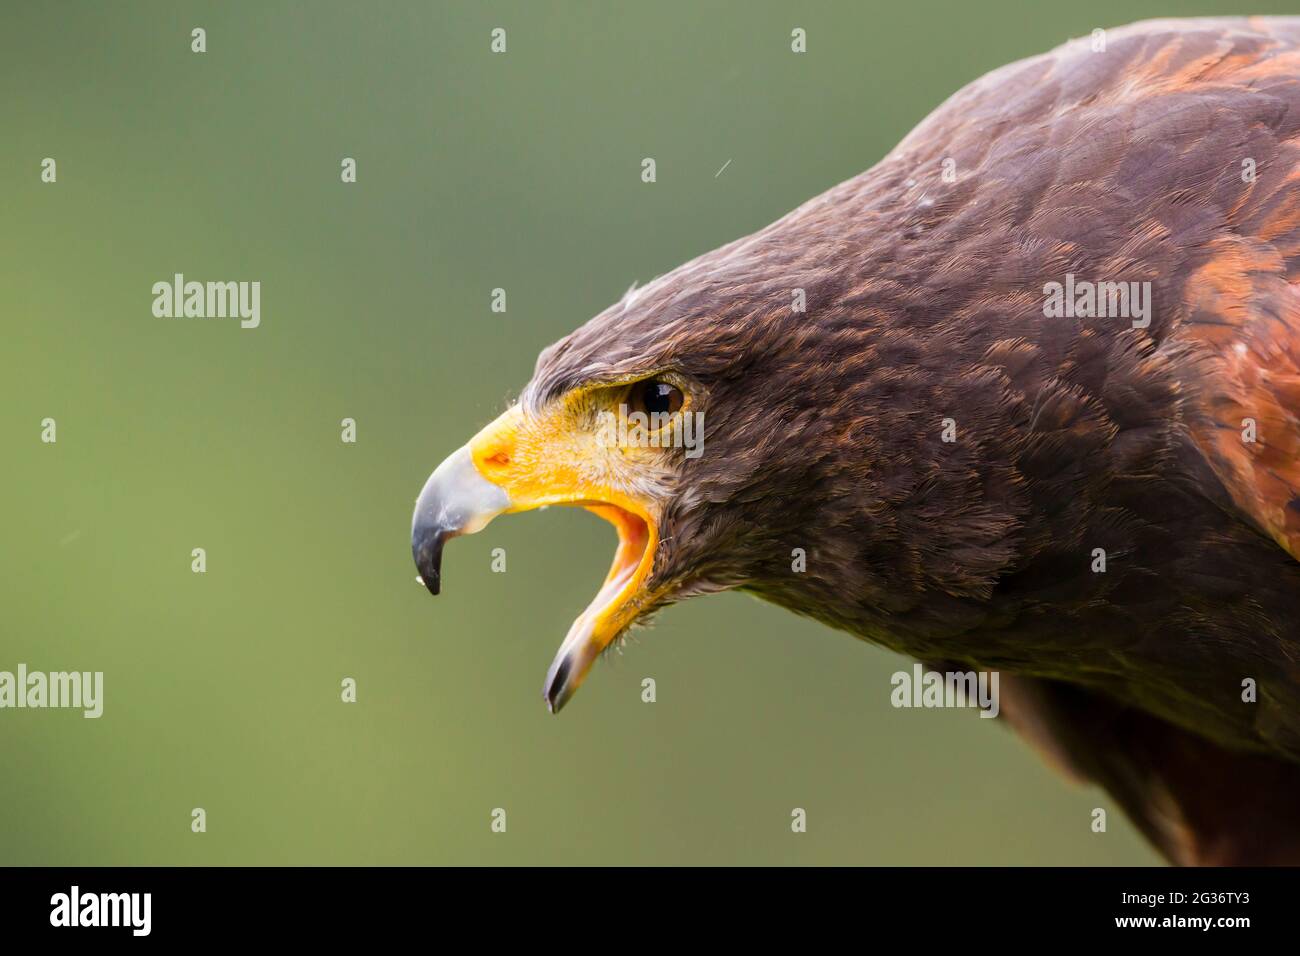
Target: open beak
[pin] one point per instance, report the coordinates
(510, 466)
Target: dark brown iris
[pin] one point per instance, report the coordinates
(654, 397)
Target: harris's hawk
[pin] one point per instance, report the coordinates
(1101, 502)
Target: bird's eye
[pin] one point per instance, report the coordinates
(654, 397)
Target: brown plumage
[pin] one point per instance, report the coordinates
(925, 302)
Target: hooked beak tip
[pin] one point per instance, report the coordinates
(455, 500)
(427, 551)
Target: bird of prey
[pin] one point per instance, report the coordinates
(1025, 395)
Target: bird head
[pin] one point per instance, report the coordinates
(758, 418)
(644, 416)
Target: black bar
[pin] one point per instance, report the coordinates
(941, 906)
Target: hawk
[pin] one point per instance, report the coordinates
(1024, 394)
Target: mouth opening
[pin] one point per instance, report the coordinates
(611, 610)
(633, 541)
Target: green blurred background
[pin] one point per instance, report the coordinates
(475, 171)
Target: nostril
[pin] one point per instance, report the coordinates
(500, 460)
